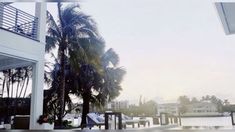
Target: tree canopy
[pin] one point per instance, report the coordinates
(82, 66)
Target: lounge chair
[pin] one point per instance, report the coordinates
(129, 121)
(94, 119)
(143, 121)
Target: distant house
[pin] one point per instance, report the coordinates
(117, 105)
(169, 108)
(202, 108)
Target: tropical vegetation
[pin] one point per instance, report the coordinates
(14, 96)
(82, 67)
(222, 105)
(140, 110)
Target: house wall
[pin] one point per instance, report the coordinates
(20, 47)
(170, 108)
(15, 46)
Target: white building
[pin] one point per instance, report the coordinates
(169, 108)
(117, 105)
(202, 108)
(22, 43)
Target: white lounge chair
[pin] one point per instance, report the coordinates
(143, 121)
(129, 121)
(94, 119)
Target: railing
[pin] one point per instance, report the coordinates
(18, 21)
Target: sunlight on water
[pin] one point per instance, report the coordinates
(207, 121)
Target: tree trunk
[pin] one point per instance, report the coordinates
(12, 82)
(26, 86)
(3, 85)
(62, 47)
(22, 86)
(62, 88)
(18, 84)
(85, 108)
(8, 84)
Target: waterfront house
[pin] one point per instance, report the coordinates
(169, 108)
(22, 43)
(118, 105)
(202, 109)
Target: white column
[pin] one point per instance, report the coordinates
(36, 108)
(40, 12)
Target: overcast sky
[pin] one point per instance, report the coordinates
(168, 48)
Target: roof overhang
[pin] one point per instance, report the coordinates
(226, 11)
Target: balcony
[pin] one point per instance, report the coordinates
(17, 21)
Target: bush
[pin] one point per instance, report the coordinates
(45, 119)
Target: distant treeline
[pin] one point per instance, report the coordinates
(222, 105)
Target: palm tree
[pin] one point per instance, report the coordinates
(93, 74)
(99, 82)
(112, 76)
(51, 95)
(72, 29)
(18, 77)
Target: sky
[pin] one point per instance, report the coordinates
(169, 48)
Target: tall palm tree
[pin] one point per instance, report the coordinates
(99, 82)
(72, 28)
(113, 75)
(81, 55)
(51, 95)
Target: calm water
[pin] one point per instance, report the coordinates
(207, 121)
(202, 121)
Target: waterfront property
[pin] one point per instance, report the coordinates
(22, 44)
(169, 108)
(202, 109)
(117, 105)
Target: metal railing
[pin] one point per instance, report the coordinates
(18, 21)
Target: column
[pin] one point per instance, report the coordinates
(36, 108)
(40, 12)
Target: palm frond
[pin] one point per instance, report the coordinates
(50, 43)
(54, 29)
(110, 56)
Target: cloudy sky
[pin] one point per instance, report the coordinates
(168, 48)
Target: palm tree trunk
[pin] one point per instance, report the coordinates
(12, 82)
(18, 84)
(86, 100)
(3, 85)
(26, 86)
(22, 86)
(61, 51)
(8, 84)
(62, 88)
